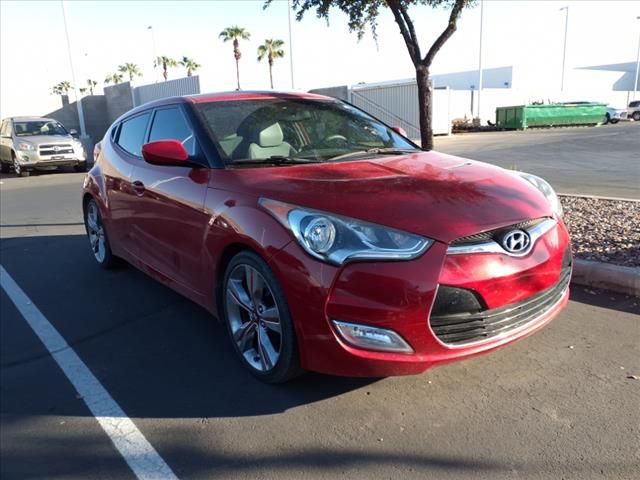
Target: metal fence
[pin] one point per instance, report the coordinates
(170, 88)
(397, 104)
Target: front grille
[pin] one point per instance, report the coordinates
(470, 327)
(62, 149)
(494, 234)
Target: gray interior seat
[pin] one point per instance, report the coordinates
(270, 142)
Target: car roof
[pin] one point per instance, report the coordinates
(30, 119)
(222, 97)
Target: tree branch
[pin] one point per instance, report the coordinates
(406, 29)
(444, 36)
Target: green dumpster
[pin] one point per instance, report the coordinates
(526, 116)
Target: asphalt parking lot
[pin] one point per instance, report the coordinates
(602, 160)
(560, 404)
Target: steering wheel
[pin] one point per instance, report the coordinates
(332, 138)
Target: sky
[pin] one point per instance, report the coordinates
(105, 34)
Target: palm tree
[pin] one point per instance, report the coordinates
(271, 49)
(190, 64)
(83, 90)
(91, 84)
(131, 69)
(116, 78)
(61, 88)
(166, 62)
(235, 33)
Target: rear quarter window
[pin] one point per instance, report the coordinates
(131, 134)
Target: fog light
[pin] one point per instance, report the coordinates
(372, 338)
(25, 158)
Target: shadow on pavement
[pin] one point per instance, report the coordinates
(158, 354)
(605, 299)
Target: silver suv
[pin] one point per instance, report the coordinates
(33, 143)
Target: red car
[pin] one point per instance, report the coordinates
(323, 239)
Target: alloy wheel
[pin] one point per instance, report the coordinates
(254, 318)
(95, 229)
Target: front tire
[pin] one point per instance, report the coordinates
(97, 235)
(5, 167)
(257, 317)
(607, 119)
(636, 116)
(81, 167)
(18, 169)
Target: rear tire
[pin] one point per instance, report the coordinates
(607, 119)
(5, 167)
(257, 317)
(97, 234)
(614, 121)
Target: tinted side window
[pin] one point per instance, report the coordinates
(3, 128)
(170, 124)
(132, 132)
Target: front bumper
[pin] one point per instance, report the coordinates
(33, 160)
(400, 295)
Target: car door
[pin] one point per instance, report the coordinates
(169, 221)
(122, 151)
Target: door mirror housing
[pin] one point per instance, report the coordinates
(74, 133)
(166, 152)
(399, 130)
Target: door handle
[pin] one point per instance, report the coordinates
(138, 187)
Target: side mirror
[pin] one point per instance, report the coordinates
(165, 152)
(74, 133)
(399, 130)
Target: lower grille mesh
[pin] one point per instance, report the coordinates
(463, 328)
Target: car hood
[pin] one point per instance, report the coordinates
(46, 139)
(428, 193)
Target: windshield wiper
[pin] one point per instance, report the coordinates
(375, 151)
(272, 160)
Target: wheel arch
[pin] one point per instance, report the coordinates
(224, 259)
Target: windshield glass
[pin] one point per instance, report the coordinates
(38, 127)
(268, 131)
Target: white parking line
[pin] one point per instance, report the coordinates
(130, 442)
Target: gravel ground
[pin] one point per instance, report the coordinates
(604, 230)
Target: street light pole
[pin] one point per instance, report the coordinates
(564, 50)
(635, 87)
(480, 59)
(83, 132)
(290, 42)
(155, 55)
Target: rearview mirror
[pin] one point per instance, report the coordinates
(399, 130)
(165, 152)
(73, 132)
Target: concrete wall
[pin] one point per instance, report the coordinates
(95, 118)
(119, 100)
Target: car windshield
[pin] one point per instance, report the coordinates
(38, 127)
(294, 130)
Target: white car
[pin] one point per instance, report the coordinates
(614, 115)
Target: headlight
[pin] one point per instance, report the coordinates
(546, 190)
(26, 147)
(336, 239)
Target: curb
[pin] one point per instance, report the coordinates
(606, 276)
(599, 197)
